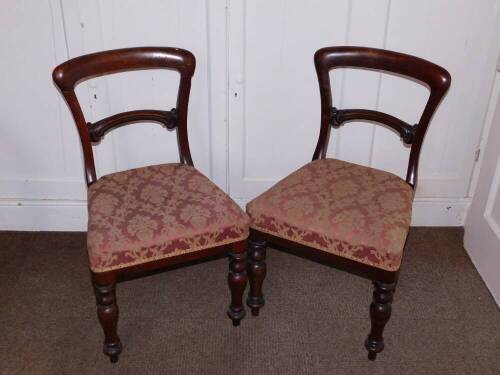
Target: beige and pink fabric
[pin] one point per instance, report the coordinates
(346, 209)
(156, 212)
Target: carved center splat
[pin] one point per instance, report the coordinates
(98, 129)
(339, 116)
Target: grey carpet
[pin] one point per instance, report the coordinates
(315, 320)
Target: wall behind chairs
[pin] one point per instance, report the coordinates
(254, 111)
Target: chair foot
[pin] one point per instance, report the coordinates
(255, 303)
(236, 315)
(380, 312)
(257, 269)
(374, 347)
(237, 280)
(113, 352)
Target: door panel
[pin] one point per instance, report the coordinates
(274, 103)
(482, 226)
(175, 23)
(274, 99)
(492, 209)
(36, 142)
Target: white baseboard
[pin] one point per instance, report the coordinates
(439, 212)
(43, 215)
(71, 215)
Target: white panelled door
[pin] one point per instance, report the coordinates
(482, 227)
(41, 175)
(96, 25)
(254, 111)
(274, 105)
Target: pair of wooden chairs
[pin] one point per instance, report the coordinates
(352, 217)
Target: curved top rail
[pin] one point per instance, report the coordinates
(69, 73)
(425, 71)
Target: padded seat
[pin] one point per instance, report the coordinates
(346, 209)
(156, 212)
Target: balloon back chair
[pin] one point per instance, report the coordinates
(148, 218)
(352, 217)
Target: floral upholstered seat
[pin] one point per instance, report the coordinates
(156, 212)
(349, 210)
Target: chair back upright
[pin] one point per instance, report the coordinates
(70, 73)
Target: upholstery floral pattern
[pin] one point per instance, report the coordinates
(155, 212)
(349, 210)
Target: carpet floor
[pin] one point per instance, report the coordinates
(315, 319)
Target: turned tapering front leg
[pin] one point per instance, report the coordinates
(237, 280)
(380, 312)
(107, 312)
(256, 274)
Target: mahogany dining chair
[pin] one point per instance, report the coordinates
(353, 217)
(148, 218)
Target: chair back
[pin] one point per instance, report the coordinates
(67, 75)
(433, 76)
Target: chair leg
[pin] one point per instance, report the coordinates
(257, 273)
(380, 312)
(237, 280)
(107, 312)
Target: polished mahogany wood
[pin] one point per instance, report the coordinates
(257, 269)
(107, 312)
(66, 76)
(237, 280)
(99, 128)
(438, 81)
(405, 130)
(380, 312)
(436, 78)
